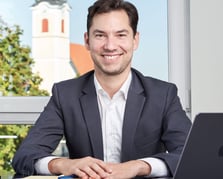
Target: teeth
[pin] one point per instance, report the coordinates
(110, 57)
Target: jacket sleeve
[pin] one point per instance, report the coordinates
(42, 138)
(176, 126)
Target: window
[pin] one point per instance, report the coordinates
(151, 58)
(62, 25)
(45, 25)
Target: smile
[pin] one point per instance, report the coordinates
(111, 57)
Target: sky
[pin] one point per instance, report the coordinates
(151, 57)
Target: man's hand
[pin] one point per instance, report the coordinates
(84, 168)
(129, 169)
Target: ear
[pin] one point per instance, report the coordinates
(86, 40)
(136, 41)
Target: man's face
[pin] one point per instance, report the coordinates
(111, 42)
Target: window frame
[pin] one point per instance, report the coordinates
(25, 110)
(21, 109)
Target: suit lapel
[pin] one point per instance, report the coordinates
(134, 106)
(92, 118)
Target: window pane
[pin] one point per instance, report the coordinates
(52, 59)
(10, 138)
(59, 55)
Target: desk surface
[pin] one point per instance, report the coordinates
(41, 177)
(56, 177)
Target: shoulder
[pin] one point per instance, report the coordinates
(150, 83)
(157, 91)
(75, 84)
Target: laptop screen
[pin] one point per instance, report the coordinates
(202, 157)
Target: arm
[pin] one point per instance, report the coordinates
(41, 165)
(41, 140)
(129, 169)
(90, 167)
(176, 126)
(84, 167)
(151, 167)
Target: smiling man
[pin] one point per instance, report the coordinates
(117, 122)
(112, 44)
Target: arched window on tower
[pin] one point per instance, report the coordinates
(62, 25)
(45, 25)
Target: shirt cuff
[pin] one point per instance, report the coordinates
(41, 166)
(158, 167)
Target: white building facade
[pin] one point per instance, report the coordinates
(51, 41)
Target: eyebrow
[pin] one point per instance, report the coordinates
(98, 31)
(123, 31)
(119, 31)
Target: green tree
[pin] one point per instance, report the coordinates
(16, 74)
(16, 79)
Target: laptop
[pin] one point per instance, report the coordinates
(202, 157)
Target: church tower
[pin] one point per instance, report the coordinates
(51, 41)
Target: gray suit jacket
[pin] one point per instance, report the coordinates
(154, 123)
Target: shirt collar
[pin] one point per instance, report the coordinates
(124, 88)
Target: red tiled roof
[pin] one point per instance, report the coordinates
(81, 58)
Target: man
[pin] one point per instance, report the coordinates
(117, 123)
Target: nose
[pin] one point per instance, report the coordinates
(110, 43)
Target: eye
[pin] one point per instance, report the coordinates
(122, 35)
(99, 35)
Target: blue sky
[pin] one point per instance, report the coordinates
(151, 57)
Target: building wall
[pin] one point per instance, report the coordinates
(51, 49)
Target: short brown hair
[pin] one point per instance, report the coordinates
(104, 6)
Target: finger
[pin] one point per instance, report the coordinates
(80, 174)
(90, 172)
(104, 166)
(99, 170)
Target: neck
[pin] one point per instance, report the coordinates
(112, 83)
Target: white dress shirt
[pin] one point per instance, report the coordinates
(112, 115)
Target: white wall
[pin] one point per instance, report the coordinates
(206, 28)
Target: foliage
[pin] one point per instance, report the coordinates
(16, 76)
(16, 79)
(9, 146)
